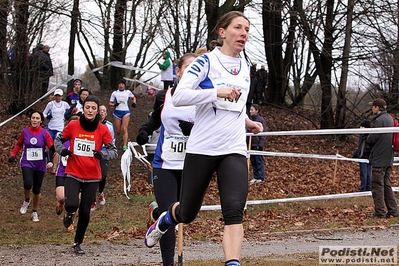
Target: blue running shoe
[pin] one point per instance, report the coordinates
(153, 233)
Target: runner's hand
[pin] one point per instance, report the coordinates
(65, 152)
(185, 127)
(97, 154)
(142, 137)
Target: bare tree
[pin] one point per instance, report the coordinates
(4, 6)
(20, 88)
(138, 23)
(380, 45)
(72, 40)
(340, 109)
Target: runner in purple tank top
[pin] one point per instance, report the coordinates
(33, 142)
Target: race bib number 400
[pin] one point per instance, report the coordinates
(84, 147)
(174, 148)
(34, 154)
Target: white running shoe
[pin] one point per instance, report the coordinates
(153, 233)
(101, 199)
(34, 217)
(24, 207)
(93, 206)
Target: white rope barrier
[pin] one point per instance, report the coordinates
(311, 156)
(120, 65)
(328, 131)
(285, 200)
(56, 85)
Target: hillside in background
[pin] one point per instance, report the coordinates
(285, 176)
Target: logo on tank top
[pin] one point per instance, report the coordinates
(234, 71)
(33, 141)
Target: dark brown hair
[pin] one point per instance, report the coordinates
(227, 18)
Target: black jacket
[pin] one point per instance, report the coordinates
(381, 154)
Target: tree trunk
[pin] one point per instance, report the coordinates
(394, 93)
(72, 38)
(3, 41)
(340, 110)
(118, 53)
(327, 118)
(272, 30)
(212, 16)
(20, 88)
(323, 62)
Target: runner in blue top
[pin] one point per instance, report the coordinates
(169, 154)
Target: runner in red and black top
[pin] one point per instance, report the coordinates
(83, 173)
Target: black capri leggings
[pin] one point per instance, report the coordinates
(87, 193)
(32, 179)
(232, 180)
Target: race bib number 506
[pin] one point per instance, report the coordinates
(84, 147)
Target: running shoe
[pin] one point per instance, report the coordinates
(233, 263)
(68, 219)
(34, 217)
(78, 249)
(101, 199)
(124, 148)
(59, 208)
(93, 206)
(70, 228)
(150, 219)
(153, 233)
(24, 207)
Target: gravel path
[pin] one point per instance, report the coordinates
(134, 252)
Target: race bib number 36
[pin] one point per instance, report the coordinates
(84, 147)
(34, 154)
(174, 148)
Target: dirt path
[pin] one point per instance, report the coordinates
(134, 252)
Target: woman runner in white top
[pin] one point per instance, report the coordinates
(218, 84)
(120, 101)
(169, 154)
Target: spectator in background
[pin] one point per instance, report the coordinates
(257, 144)
(262, 79)
(73, 96)
(45, 68)
(381, 160)
(34, 68)
(166, 70)
(363, 152)
(252, 89)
